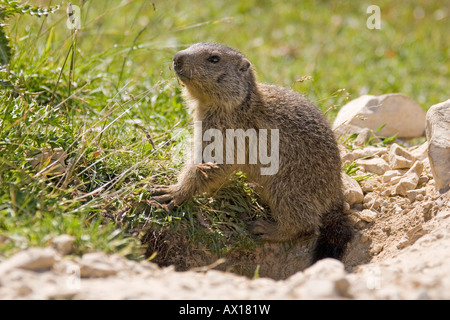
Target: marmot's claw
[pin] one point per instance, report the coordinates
(167, 196)
(158, 190)
(171, 205)
(163, 198)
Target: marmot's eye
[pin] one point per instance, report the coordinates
(214, 59)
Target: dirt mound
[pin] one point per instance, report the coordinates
(401, 251)
(417, 271)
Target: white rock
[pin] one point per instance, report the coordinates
(421, 153)
(410, 180)
(414, 194)
(400, 158)
(326, 269)
(438, 136)
(370, 197)
(374, 165)
(352, 191)
(368, 215)
(401, 116)
(36, 259)
(391, 174)
(97, 265)
(63, 243)
(362, 153)
(370, 185)
(363, 137)
(411, 236)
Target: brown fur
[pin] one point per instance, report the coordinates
(305, 195)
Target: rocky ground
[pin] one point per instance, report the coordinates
(415, 271)
(401, 249)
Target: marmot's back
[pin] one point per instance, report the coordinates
(307, 142)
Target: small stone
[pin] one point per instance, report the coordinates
(390, 174)
(374, 165)
(376, 249)
(35, 259)
(414, 194)
(63, 244)
(423, 180)
(364, 238)
(352, 191)
(347, 157)
(403, 243)
(400, 158)
(369, 198)
(427, 206)
(382, 202)
(410, 179)
(411, 236)
(363, 153)
(397, 209)
(395, 180)
(372, 201)
(363, 137)
(97, 265)
(370, 185)
(398, 162)
(368, 215)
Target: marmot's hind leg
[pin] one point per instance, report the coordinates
(273, 232)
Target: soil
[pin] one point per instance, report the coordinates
(401, 251)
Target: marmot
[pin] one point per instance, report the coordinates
(305, 193)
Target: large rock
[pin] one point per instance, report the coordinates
(400, 115)
(438, 136)
(35, 259)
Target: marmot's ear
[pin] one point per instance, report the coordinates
(245, 65)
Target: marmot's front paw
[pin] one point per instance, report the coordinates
(167, 196)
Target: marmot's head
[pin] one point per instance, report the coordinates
(214, 74)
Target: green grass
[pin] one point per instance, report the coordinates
(121, 119)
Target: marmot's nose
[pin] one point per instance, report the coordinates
(178, 61)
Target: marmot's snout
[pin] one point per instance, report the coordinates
(178, 61)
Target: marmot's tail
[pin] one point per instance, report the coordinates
(335, 233)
